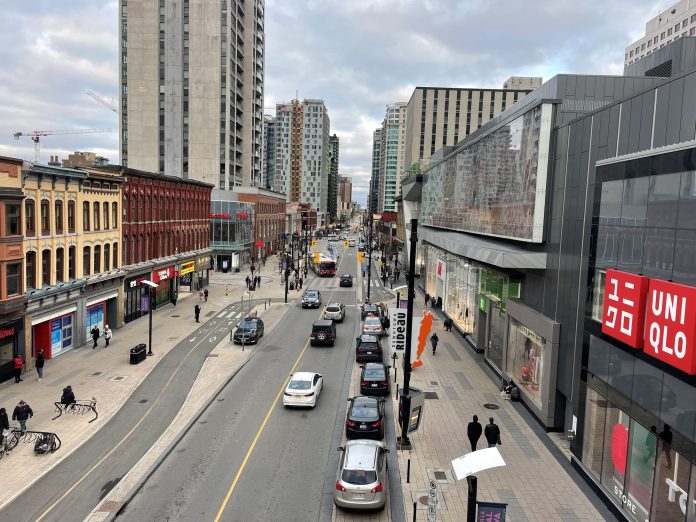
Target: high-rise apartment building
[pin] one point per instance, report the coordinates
(437, 117)
(675, 22)
(302, 153)
(345, 196)
(392, 155)
(373, 196)
(191, 83)
(269, 151)
(332, 204)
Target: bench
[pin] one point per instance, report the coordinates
(77, 408)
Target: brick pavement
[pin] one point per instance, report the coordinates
(97, 372)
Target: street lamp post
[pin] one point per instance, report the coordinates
(369, 256)
(150, 286)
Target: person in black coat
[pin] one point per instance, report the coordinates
(4, 424)
(39, 364)
(21, 413)
(68, 396)
(433, 340)
(95, 336)
(197, 312)
(492, 433)
(473, 432)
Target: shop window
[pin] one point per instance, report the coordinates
(29, 218)
(45, 218)
(85, 216)
(678, 408)
(597, 298)
(97, 210)
(526, 355)
(107, 257)
(115, 250)
(615, 450)
(640, 471)
(13, 279)
(45, 267)
(86, 261)
(30, 269)
(593, 431)
(114, 215)
(105, 207)
(58, 208)
(71, 263)
(124, 218)
(621, 365)
(669, 496)
(71, 217)
(97, 259)
(60, 265)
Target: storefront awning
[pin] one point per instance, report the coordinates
(492, 252)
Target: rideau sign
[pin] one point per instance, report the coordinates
(655, 315)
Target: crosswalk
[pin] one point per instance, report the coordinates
(332, 283)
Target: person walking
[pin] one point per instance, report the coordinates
(200, 296)
(492, 433)
(433, 340)
(248, 282)
(4, 424)
(175, 297)
(18, 363)
(107, 334)
(258, 281)
(39, 365)
(473, 432)
(448, 324)
(21, 413)
(197, 312)
(300, 281)
(205, 294)
(95, 335)
(427, 299)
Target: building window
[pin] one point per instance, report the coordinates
(45, 221)
(29, 218)
(96, 216)
(46, 267)
(59, 217)
(124, 218)
(115, 252)
(85, 216)
(71, 263)
(14, 278)
(114, 215)
(107, 257)
(86, 260)
(97, 259)
(132, 249)
(60, 265)
(30, 269)
(71, 217)
(106, 216)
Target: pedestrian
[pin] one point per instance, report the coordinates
(433, 340)
(107, 334)
(21, 413)
(258, 281)
(384, 278)
(39, 364)
(492, 433)
(427, 299)
(197, 312)
(473, 431)
(200, 296)
(68, 396)
(300, 282)
(175, 296)
(248, 282)
(205, 294)
(4, 424)
(95, 335)
(18, 363)
(448, 324)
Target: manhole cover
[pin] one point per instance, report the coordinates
(491, 406)
(173, 338)
(423, 500)
(97, 373)
(118, 378)
(440, 475)
(143, 401)
(433, 383)
(176, 316)
(430, 395)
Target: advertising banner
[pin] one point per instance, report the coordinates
(163, 274)
(187, 268)
(490, 512)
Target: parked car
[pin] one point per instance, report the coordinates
(303, 389)
(351, 242)
(368, 348)
(361, 247)
(335, 312)
(311, 299)
(374, 379)
(362, 475)
(368, 309)
(373, 326)
(323, 332)
(346, 280)
(365, 418)
(250, 330)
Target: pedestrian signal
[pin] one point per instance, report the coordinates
(314, 243)
(316, 257)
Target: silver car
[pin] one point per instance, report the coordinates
(335, 311)
(373, 326)
(361, 481)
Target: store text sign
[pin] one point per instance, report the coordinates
(624, 307)
(163, 274)
(655, 315)
(670, 324)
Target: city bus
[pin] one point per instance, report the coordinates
(326, 266)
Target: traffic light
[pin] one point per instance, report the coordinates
(361, 255)
(316, 257)
(345, 244)
(314, 243)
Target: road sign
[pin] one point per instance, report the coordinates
(432, 500)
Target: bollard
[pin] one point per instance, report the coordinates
(397, 392)
(408, 471)
(415, 505)
(264, 305)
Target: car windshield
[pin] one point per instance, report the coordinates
(346, 276)
(311, 295)
(322, 328)
(364, 413)
(247, 325)
(300, 385)
(372, 321)
(370, 308)
(370, 345)
(358, 477)
(374, 373)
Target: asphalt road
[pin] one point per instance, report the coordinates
(248, 457)
(70, 491)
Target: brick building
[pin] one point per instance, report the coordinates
(269, 218)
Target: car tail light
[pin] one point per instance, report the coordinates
(350, 423)
(377, 424)
(377, 489)
(383, 383)
(364, 383)
(308, 394)
(339, 487)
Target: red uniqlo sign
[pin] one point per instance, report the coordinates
(670, 324)
(624, 307)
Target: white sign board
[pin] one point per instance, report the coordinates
(476, 461)
(397, 330)
(432, 500)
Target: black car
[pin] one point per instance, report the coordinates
(346, 280)
(374, 379)
(250, 330)
(311, 299)
(368, 348)
(323, 332)
(365, 418)
(368, 309)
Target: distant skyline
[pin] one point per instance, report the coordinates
(357, 56)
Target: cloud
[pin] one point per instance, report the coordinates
(358, 55)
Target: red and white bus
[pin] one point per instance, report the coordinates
(326, 266)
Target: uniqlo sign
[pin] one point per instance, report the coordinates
(624, 307)
(670, 324)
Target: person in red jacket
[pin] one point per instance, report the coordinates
(18, 363)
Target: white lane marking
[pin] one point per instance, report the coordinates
(230, 314)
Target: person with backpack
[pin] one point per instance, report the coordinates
(492, 433)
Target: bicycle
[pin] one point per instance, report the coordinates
(9, 440)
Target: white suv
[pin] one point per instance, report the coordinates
(335, 311)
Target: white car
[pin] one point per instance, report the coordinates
(303, 389)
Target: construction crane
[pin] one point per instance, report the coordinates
(103, 102)
(36, 137)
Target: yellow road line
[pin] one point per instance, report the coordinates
(101, 461)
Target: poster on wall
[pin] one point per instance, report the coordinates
(56, 336)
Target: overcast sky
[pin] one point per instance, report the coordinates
(358, 55)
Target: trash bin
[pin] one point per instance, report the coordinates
(236, 269)
(138, 354)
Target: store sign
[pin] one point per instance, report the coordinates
(441, 269)
(186, 268)
(623, 315)
(397, 325)
(219, 215)
(531, 335)
(137, 281)
(655, 315)
(7, 332)
(242, 215)
(163, 274)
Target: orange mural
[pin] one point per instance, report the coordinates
(425, 328)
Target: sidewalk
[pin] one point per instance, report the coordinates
(107, 375)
